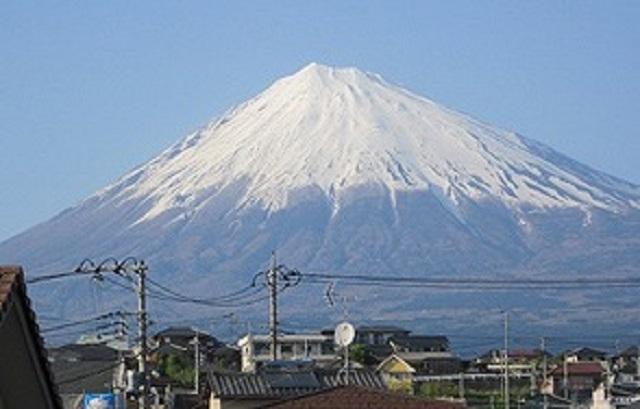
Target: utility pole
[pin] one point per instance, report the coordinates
(506, 360)
(141, 271)
(565, 376)
(638, 364)
(272, 282)
(120, 383)
(545, 403)
(196, 365)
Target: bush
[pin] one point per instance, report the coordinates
(404, 386)
(178, 369)
(437, 390)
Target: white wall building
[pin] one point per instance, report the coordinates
(255, 349)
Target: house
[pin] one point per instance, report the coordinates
(625, 374)
(379, 334)
(429, 355)
(625, 395)
(25, 377)
(521, 361)
(227, 358)
(271, 385)
(626, 358)
(255, 350)
(84, 368)
(574, 379)
(374, 335)
(395, 368)
(418, 355)
(403, 366)
(419, 343)
(380, 341)
(585, 354)
(358, 397)
(183, 338)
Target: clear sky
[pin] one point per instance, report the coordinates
(89, 89)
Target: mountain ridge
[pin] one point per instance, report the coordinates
(341, 171)
(378, 148)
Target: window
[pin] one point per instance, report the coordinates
(327, 348)
(262, 348)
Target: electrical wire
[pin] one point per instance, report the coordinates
(82, 322)
(56, 276)
(479, 281)
(470, 283)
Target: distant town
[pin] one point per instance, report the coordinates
(185, 367)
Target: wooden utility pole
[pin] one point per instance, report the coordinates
(565, 376)
(141, 271)
(638, 363)
(272, 281)
(196, 378)
(506, 360)
(120, 383)
(545, 403)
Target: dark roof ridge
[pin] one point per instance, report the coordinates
(12, 282)
(379, 392)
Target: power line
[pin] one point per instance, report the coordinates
(84, 321)
(388, 281)
(234, 299)
(56, 276)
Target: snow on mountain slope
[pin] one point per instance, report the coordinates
(336, 129)
(341, 171)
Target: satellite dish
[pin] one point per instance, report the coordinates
(344, 334)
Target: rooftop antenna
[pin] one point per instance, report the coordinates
(332, 297)
(343, 336)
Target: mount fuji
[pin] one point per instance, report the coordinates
(342, 171)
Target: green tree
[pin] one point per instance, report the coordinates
(358, 353)
(437, 390)
(403, 386)
(178, 369)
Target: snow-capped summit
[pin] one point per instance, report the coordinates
(343, 171)
(335, 129)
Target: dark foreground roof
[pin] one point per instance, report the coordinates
(277, 385)
(358, 397)
(83, 352)
(19, 332)
(84, 376)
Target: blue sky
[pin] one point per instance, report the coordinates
(90, 89)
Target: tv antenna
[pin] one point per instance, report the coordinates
(343, 336)
(332, 297)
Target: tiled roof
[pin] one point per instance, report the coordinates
(78, 377)
(357, 397)
(420, 342)
(247, 386)
(587, 352)
(83, 352)
(362, 378)
(632, 351)
(381, 328)
(579, 368)
(9, 283)
(14, 291)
